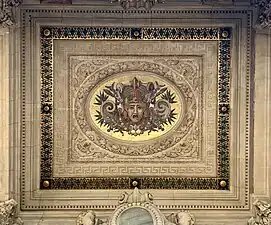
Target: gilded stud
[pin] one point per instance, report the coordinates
(224, 34)
(46, 108)
(134, 183)
(136, 33)
(46, 183)
(223, 183)
(46, 32)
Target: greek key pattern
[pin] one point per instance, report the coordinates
(47, 37)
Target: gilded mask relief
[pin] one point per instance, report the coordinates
(135, 107)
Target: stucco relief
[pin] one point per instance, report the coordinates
(183, 118)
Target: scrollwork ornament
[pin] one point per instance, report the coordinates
(6, 12)
(264, 18)
(263, 213)
(8, 213)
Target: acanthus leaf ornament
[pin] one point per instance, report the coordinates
(6, 12)
(8, 213)
(263, 213)
(264, 18)
(147, 4)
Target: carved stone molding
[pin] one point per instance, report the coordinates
(137, 206)
(8, 213)
(147, 4)
(264, 18)
(6, 12)
(263, 213)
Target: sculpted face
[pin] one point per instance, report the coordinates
(135, 111)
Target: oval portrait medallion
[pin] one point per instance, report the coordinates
(135, 106)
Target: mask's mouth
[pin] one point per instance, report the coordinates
(135, 116)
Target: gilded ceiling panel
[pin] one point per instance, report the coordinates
(150, 105)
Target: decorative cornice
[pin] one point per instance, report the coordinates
(6, 12)
(264, 18)
(147, 4)
(263, 213)
(8, 213)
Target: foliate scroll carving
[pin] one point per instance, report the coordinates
(8, 213)
(6, 14)
(134, 207)
(264, 18)
(147, 4)
(263, 213)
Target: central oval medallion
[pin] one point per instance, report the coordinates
(135, 106)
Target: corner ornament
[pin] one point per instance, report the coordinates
(147, 4)
(8, 213)
(137, 208)
(264, 18)
(6, 12)
(263, 213)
